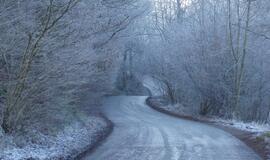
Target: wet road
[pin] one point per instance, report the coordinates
(142, 133)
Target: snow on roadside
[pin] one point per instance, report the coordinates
(73, 140)
(250, 127)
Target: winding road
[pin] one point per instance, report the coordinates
(141, 133)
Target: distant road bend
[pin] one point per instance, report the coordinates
(141, 133)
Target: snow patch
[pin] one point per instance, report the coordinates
(253, 127)
(73, 140)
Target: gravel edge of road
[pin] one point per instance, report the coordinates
(258, 145)
(99, 139)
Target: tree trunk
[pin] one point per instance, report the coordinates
(241, 63)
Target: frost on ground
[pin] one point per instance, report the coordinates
(260, 132)
(75, 139)
(250, 127)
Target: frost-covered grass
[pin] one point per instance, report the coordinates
(74, 139)
(253, 127)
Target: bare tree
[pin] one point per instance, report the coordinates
(14, 107)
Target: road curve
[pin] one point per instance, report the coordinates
(141, 133)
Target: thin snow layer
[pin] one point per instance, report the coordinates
(253, 127)
(73, 140)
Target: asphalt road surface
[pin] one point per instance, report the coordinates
(141, 133)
